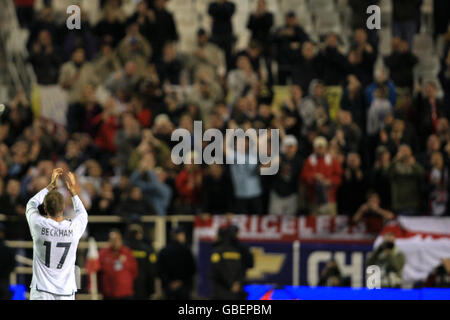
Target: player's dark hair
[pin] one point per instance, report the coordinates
(54, 203)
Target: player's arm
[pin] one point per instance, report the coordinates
(33, 203)
(80, 210)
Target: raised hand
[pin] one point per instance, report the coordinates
(70, 182)
(55, 175)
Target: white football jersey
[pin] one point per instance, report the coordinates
(54, 247)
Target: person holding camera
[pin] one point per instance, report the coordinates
(390, 260)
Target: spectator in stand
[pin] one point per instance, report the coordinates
(362, 57)
(260, 23)
(106, 124)
(334, 64)
(145, 255)
(118, 269)
(347, 133)
(134, 47)
(379, 109)
(216, 192)
(284, 198)
(150, 144)
(162, 28)
(127, 139)
(353, 100)
(287, 39)
(429, 109)
(381, 79)
(189, 185)
(152, 182)
(221, 12)
(106, 61)
(81, 114)
(253, 53)
(45, 59)
(390, 260)
(242, 80)
(13, 205)
(76, 74)
(176, 267)
(111, 25)
(18, 115)
(205, 94)
(105, 201)
(45, 20)
(134, 206)
(307, 65)
(169, 67)
(406, 178)
(438, 184)
(245, 177)
(73, 156)
(294, 115)
(352, 192)
(378, 176)
(433, 145)
(401, 63)
(310, 107)
(82, 37)
(373, 214)
(406, 14)
(125, 79)
(322, 176)
(207, 59)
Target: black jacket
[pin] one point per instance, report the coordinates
(176, 262)
(260, 27)
(227, 267)
(404, 10)
(144, 284)
(335, 66)
(221, 15)
(401, 67)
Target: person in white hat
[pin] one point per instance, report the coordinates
(321, 175)
(284, 192)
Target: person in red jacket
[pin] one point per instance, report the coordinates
(188, 184)
(118, 269)
(321, 175)
(107, 124)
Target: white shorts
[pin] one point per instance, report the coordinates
(42, 295)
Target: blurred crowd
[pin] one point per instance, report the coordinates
(382, 150)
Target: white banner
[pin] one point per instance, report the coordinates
(425, 241)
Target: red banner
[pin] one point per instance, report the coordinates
(285, 229)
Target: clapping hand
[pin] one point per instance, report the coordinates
(55, 175)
